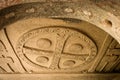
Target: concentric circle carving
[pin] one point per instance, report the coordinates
(56, 48)
(44, 43)
(69, 63)
(42, 59)
(76, 48)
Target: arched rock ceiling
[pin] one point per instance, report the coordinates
(108, 10)
(102, 13)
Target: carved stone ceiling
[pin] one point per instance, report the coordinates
(32, 42)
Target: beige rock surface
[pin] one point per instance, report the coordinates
(59, 39)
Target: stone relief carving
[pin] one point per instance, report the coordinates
(39, 49)
(6, 62)
(9, 62)
(56, 48)
(111, 61)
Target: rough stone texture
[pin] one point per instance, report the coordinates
(59, 37)
(6, 3)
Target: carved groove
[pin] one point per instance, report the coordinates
(13, 48)
(111, 60)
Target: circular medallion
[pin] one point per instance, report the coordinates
(56, 48)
